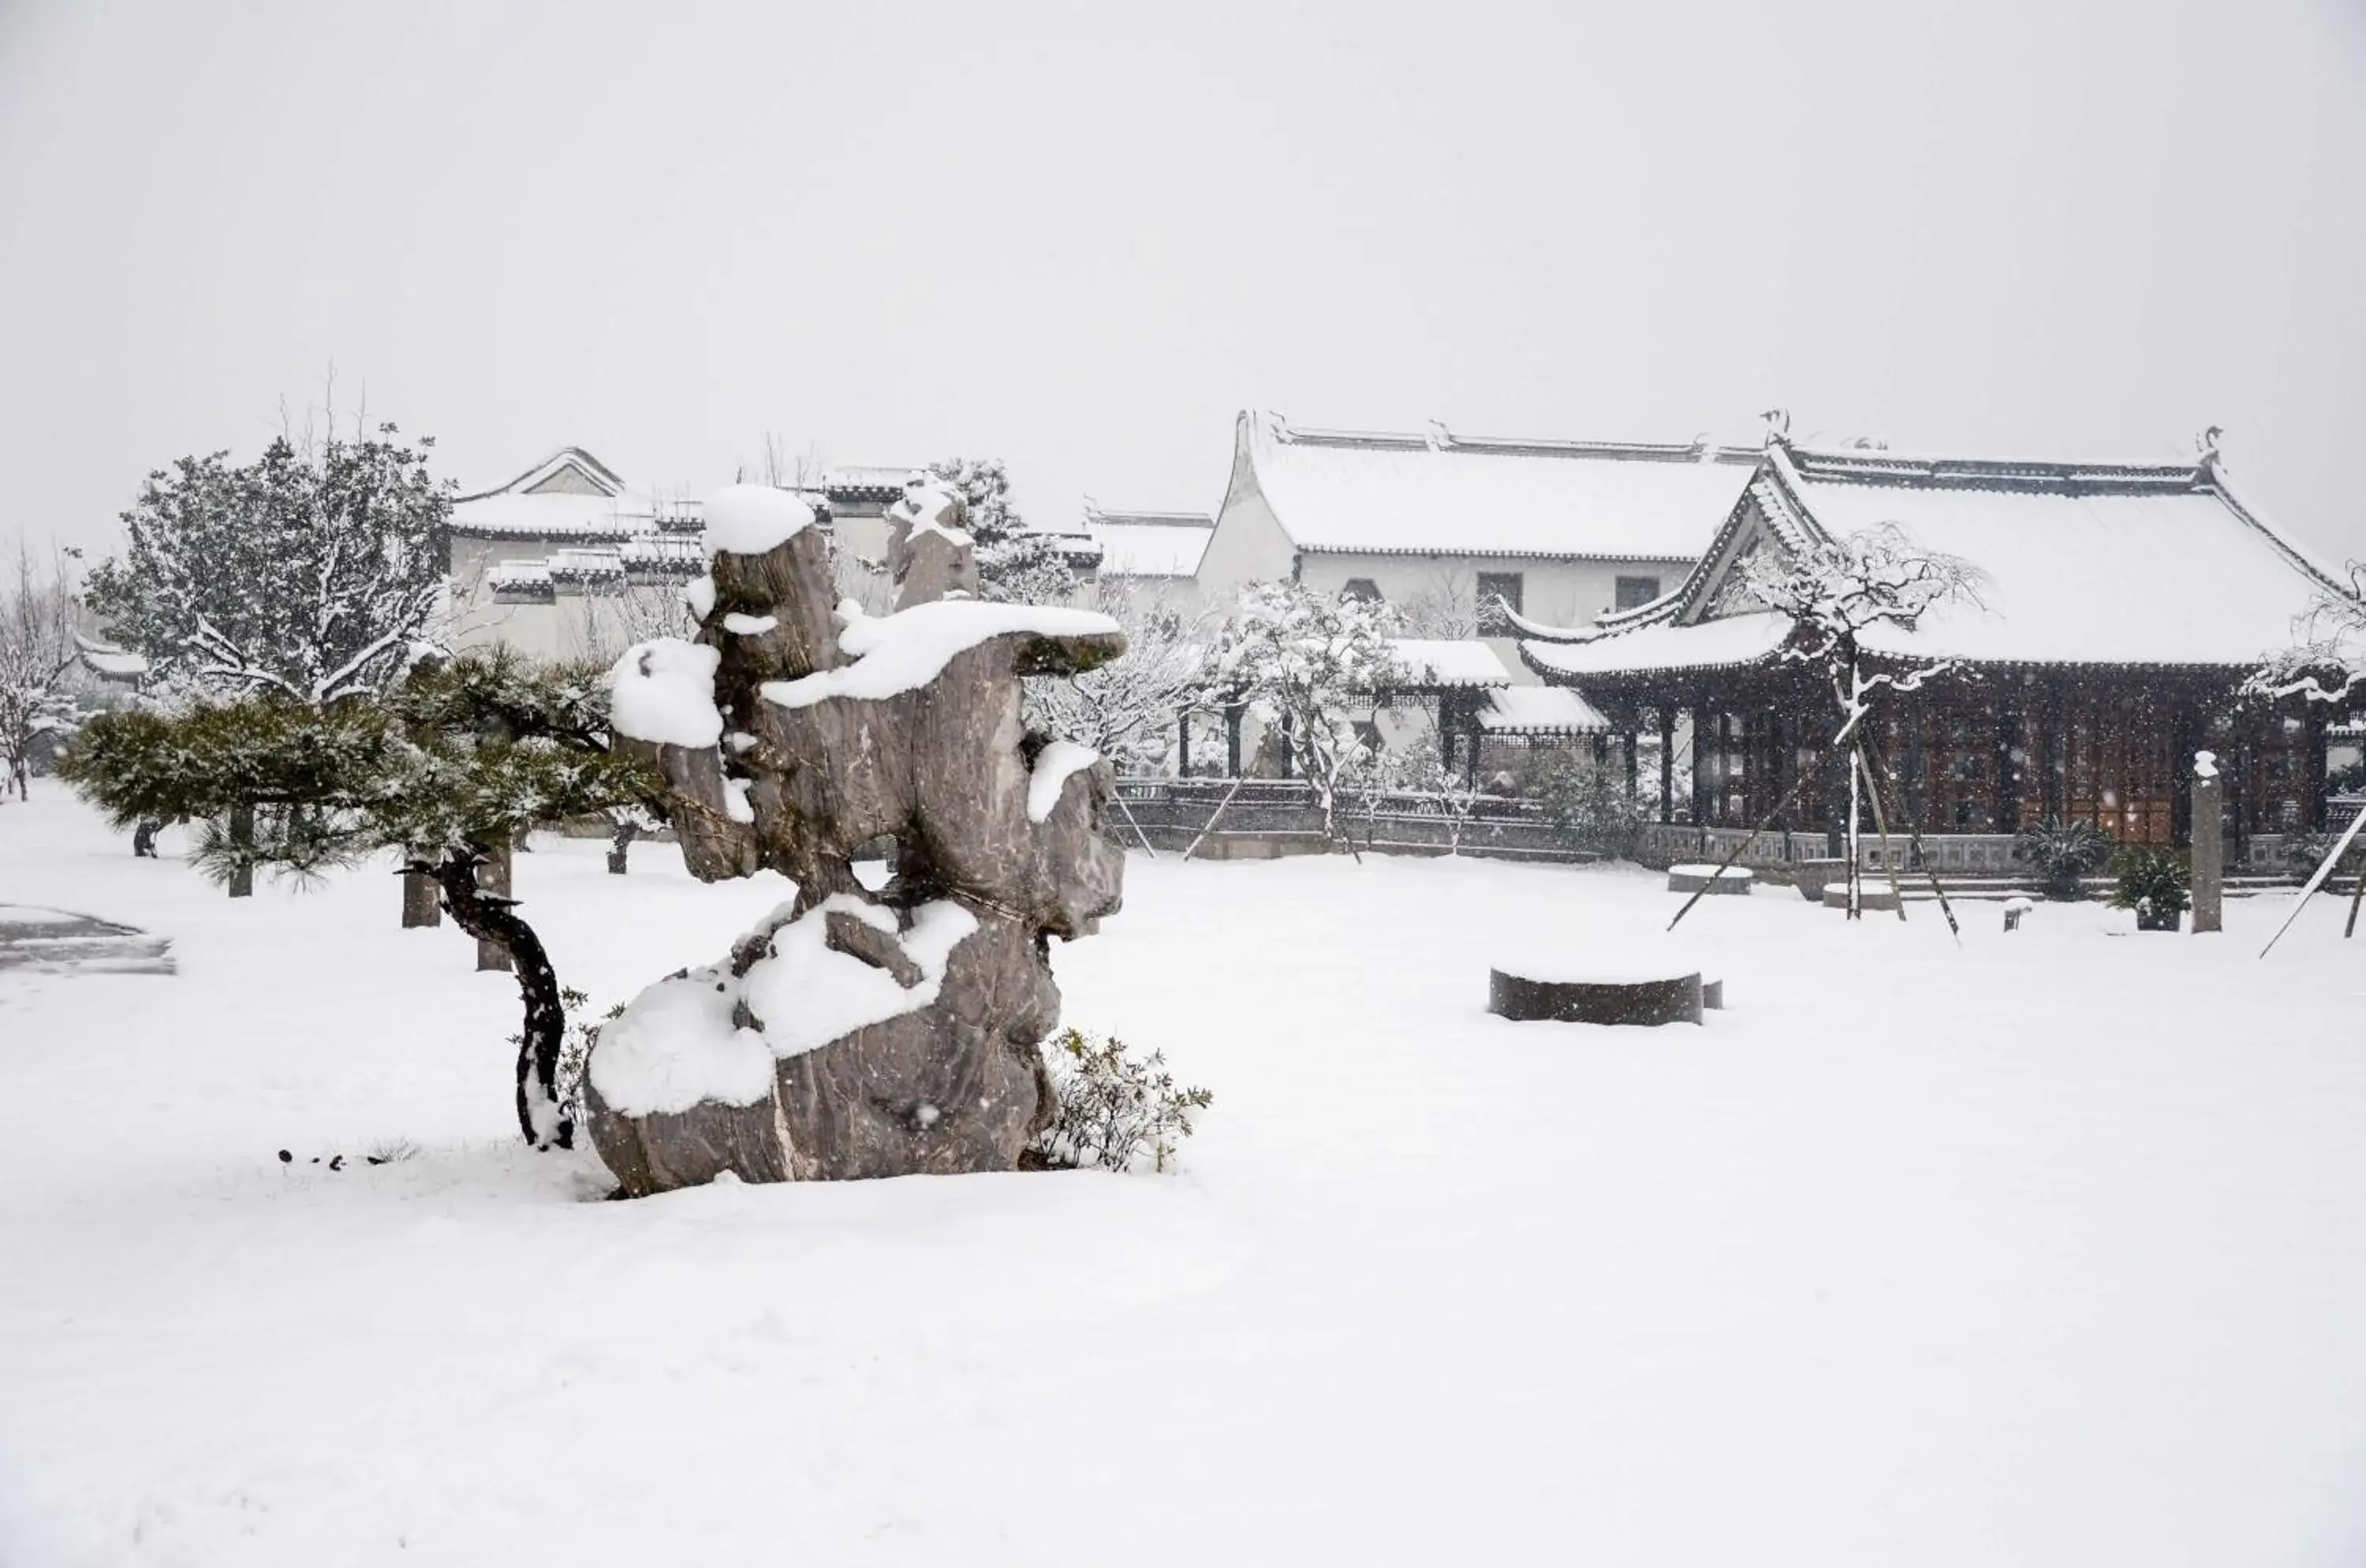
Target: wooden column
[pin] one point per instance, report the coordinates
(2006, 818)
(1701, 733)
(1183, 744)
(2050, 745)
(1631, 768)
(2318, 766)
(1233, 742)
(1667, 764)
(1910, 715)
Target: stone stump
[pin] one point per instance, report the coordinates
(2209, 843)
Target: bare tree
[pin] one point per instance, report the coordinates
(37, 655)
(1445, 607)
(1832, 593)
(1127, 708)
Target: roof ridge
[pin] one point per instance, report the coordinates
(1438, 438)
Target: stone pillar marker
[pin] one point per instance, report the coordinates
(2209, 844)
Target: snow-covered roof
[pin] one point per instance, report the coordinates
(569, 495)
(867, 481)
(2083, 563)
(664, 553)
(1439, 493)
(1540, 710)
(585, 566)
(1150, 544)
(1441, 663)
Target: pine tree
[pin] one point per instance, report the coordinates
(444, 769)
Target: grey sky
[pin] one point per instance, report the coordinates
(1080, 236)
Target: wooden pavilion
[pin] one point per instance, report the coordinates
(2124, 605)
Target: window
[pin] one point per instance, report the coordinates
(1498, 591)
(1362, 589)
(1636, 592)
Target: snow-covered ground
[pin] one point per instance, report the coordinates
(2047, 1250)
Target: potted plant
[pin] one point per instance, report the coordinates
(2155, 884)
(2062, 852)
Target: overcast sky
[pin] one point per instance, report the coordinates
(1082, 236)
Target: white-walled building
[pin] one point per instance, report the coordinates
(1447, 526)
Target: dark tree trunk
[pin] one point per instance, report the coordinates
(241, 833)
(419, 900)
(492, 920)
(143, 838)
(493, 865)
(620, 845)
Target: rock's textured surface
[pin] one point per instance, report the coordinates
(803, 776)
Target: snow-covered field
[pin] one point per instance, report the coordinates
(2047, 1250)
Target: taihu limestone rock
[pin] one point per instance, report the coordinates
(857, 1033)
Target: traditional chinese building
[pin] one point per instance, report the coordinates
(1466, 532)
(2120, 608)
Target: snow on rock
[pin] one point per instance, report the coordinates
(665, 691)
(698, 594)
(925, 502)
(675, 1045)
(902, 653)
(735, 801)
(1053, 766)
(747, 520)
(2205, 764)
(809, 994)
(739, 625)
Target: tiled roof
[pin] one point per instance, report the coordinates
(1444, 493)
(1540, 710)
(2082, 563)
(1150, 544)
(1440, 663)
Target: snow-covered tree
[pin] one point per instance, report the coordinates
(1014, 563)
(445, 771)
(1832, 593)
(311, 571)
(1307, 663)
(38, 653)
(1127, 709)
(2326, 661)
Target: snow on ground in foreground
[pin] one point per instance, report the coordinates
(2046, 1251)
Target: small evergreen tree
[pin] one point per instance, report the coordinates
(457, 762)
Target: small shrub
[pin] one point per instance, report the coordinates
(1588, 804)
(2063, 852)
(2157, 884)
(1114, 1109)
(2303, 852)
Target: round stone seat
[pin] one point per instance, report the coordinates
(1872, 896)
(1696, 878)
(1619, 990)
